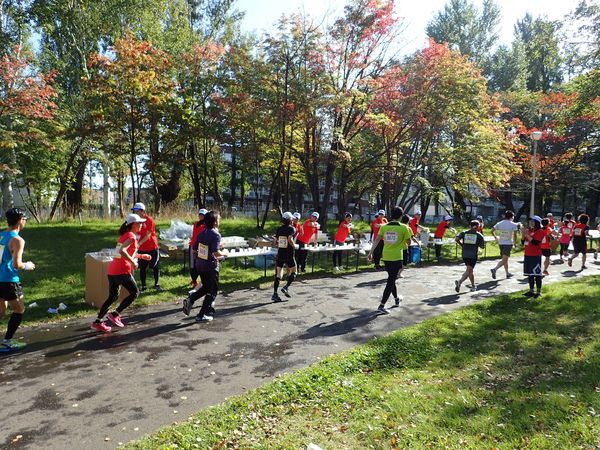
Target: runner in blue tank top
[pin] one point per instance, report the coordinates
(11, 254)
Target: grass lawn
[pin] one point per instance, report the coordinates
(506, 373)
(59, 249)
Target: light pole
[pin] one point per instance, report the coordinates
(536, 136)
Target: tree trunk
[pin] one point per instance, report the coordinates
(74, 196)
(105, 192)
(65, 179)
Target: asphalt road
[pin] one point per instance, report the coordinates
(74, 388)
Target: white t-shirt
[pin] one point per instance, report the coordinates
(506, 228)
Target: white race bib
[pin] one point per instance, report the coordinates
(282, 242)
(470, 239)
(437, 241)
(567, 231)
(506, 235)
(203, 252)
(390, 237)
(577, 232)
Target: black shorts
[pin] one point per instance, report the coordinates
(579, 247)
(532, 266)
(564, 247)
(546, 252)
(10, 291)
(505, 249)
(470, 261)
(290, 262)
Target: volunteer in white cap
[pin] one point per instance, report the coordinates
(439, 235)
(309, 229)
(285, 239)
(148, 245)
(416, 228)
(120, 273)
(379, 221)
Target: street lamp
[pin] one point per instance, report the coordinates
(536, 136)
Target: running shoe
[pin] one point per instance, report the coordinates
(286, 292)
(143, 289)
(583, 267)
(100, 326)
(158, 288)
(545, 272)
(509, 275)
(336, 269)
(596, 254)
(537, 294)
(456, 285)
(397, 300)
(204, 318)
(529, 294)
(473, 288)
(383, 310)
(493, 273)
(11, 345)
(275, 298)
(187, 306)
(115, 319)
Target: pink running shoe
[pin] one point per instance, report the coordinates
(115, 319)
(100, 327)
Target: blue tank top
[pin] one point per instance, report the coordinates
(8, 273)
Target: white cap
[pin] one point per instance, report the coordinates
(479, 217)
(315, 214)
(536, 218)
(203, 211)
(381, 212)
(139, 206)
(448, 217)
(134, 218)
(297, 215)
(418, 212)
(549, 215)
(287, 215)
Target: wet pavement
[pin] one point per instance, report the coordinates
(74, 388)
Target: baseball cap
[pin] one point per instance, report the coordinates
(479, 217)
(203, 211)
(418, 212)
(549, 215)
(296, 215)
(381, 212)
(474, 223)
(139, 206)
(448, 217)
(315, 214)
(536, 218)
(134, 218)
(287, 215)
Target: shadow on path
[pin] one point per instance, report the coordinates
(345, 326)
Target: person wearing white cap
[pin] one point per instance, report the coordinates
(439, 235)
(340, 239)
(296, 224)
(285, 240)
(120, 273)
(532, 266)
(148, 245)
(309, 229)
(379, 221)
(196, 230)
(416, 228)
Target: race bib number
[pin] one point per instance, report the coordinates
(437, 241)
(567, 231)
(203, 252)
(390, 237)
(282, 242)
(505, 235)
(578, 232)
(544, 240)
(470, 239)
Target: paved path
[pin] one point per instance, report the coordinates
(73, 388)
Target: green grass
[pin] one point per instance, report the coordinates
(505, 373)
(59, 249)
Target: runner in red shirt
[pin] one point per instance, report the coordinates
(309, 229)
(546, 244)
(439, 235)
(580, 234)
(379, 221)
(551, 222)
(340, 239)
(120, 273)
(532, 267)
(196, 230)
(148, 245)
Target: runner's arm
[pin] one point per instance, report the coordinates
(127, 256)
(373, 246)
(16, 246)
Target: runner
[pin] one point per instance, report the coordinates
(407, 247)
(546, 245)
(120, 273)
(565, 234)
(196, 230)
(480, 227)
(376, 225)
(285, 239)
(309, 229)
(470, 241)
(210, 253)
(532, 267)
(439, 235)
(340, 239)
(394, 235)
(570, 221)
(11, 260)
(148, 245)
(506, 240)
(580, 235)
(551, 222)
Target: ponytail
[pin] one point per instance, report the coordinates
(124, 228)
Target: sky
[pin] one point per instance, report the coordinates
(262, 14)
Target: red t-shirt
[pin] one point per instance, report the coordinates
(480, 229)
(120, 265)
(551, 223)
(414, 225)
(148, 227)
(298, 228)
(343, 231)
(546, 240)
(380, 220)
(441, 229)
(308, 229)
(532, 249)
(198, 227)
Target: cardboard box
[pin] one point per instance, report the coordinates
(96, 279)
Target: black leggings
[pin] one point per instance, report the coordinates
(154, 263)
(378, 252)
(301, 254)
(392, 268)
(337, 255)
(208, 290)
(193, 271)
(535, 280)
(114, 284)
